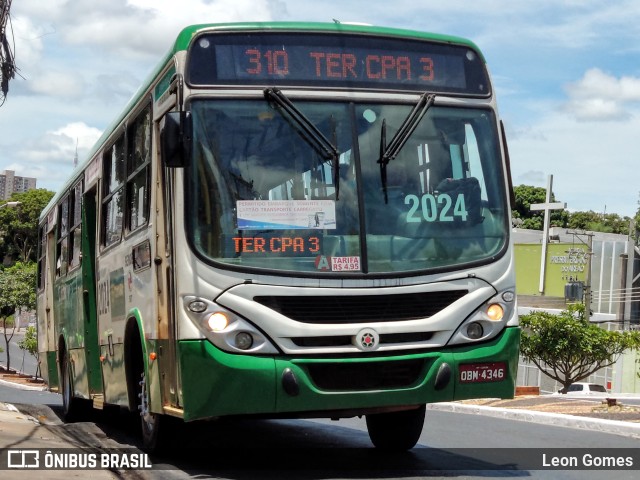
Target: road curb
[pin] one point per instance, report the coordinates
(22, 386)
(627, 429)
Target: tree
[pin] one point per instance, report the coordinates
(29, 343)
(568, 348)
(17, 290)
(19, 225)
(597, 222)
(527, 195)
(616, 224)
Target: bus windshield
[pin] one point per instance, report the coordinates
(262, 195)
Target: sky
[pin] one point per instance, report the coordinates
(566, 76)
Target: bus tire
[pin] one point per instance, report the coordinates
(73, 409)
(154, 426)
(396, 431)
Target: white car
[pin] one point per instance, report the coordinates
(580, 388)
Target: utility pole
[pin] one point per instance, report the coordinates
(587, 286)
(630, 278)
(7, 65)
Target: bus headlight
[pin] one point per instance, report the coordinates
(197, 306)
(217, 322)
(244, 340)
(225, 329)
(474, 330)
(495, 312)
(488, 320)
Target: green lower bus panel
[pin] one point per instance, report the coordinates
(50, 365)
(215, 383)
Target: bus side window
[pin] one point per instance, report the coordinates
(138, 171)
(62, 246)
(113, 194)
(75, 225)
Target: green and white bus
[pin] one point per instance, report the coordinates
(288, 220)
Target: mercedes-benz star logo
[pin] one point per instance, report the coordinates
(367, 339)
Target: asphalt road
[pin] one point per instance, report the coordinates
(452, 445)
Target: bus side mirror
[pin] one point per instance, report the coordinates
(175, 139)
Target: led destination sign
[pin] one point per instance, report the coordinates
(336, 60)
(272, 244)
(277, 244)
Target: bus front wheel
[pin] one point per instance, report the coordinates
(149, 421)
(155, 426)
(396, 431)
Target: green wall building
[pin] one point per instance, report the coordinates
(609, 264)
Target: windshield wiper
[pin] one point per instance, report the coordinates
(391, 151)
(309, 132)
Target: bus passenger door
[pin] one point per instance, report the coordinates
(92, 347)
(47, 332)
(165, 278)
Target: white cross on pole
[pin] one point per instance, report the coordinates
(547, 207)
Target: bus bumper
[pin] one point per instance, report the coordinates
(215, 383)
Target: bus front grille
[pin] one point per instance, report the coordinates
(360, 308)
(366, 375)
(346, 340)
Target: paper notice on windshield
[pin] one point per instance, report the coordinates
(286, 214)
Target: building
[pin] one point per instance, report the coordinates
(609, 264)
(605, 267)
(10, 183)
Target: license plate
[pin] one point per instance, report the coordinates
(482, 372)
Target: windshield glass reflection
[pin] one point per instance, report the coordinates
(264, 196)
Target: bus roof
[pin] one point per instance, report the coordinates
(186, 35)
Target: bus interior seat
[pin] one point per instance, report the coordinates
(470, 189)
